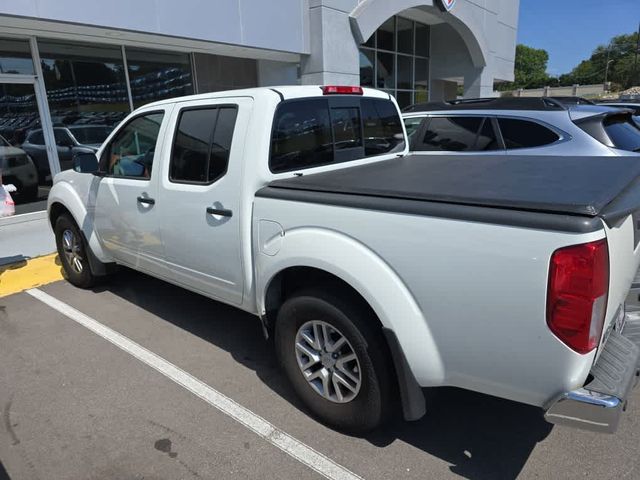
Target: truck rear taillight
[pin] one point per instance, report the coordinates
(341, 90)
(577, 296)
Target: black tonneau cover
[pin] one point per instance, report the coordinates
(606, 187)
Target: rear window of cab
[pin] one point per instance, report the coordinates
(320, 131)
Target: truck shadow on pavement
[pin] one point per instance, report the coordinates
(482, 437)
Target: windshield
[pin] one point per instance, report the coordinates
(4, 142)
(623, 132)
(90, 135)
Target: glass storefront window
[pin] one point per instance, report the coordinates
(367, 59)
(87, 95)
(386, 35)
(218, 72)
(401, 50)
(18, 116)
(421, 74)
(371, 42)
(386, 77)
(405, 36)
(423, 39)
(405, 72)
(404, 99)
(15, 57)
(156, 75)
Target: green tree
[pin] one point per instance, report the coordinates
(530, 69)
(619, 54)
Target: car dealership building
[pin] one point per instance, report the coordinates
(69, 66)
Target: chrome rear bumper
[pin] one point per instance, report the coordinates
(598, 405)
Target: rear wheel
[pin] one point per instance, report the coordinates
(72, 250)
(335, 357)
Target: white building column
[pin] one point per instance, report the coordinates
(334, 55)
(478, 82)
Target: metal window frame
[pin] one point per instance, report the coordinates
(414, 56)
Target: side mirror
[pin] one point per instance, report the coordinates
(85, 162)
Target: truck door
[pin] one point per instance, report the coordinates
(126, 214)
(200, 196)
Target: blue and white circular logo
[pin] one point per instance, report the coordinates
(447, 5)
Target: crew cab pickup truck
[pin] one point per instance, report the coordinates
(376, 272)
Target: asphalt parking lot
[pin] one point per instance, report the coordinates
(76, 404)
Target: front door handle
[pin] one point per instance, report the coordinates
(219, 211)
(146, 200)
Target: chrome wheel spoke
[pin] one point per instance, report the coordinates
(336, 345)
(310, 341)
(352, 376)
(318, 343)
(72, 250)
(339, 379)
(336, 386)
(77, 264)
(312, 356)
(327, 361)
(67, 241)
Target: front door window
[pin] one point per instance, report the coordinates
(132, 151)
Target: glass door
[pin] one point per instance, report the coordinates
(22, 164)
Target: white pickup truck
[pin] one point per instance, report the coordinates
(377, 272)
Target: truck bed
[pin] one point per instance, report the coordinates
(579, 188)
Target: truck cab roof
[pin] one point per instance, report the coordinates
(285, 92)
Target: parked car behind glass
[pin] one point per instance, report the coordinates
(528, 126)
(69, 141)
(17, 168)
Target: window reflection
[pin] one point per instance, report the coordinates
(401, 66)
(87, 96)
(18, 115)
(15, 57)
(158, 75)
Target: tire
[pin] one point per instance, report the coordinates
(72, 251)
(362, 408)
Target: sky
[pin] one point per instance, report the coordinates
(571, 29)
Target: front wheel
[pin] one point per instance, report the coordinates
(72, 250)
(335, 356)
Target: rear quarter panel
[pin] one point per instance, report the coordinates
(466, 300)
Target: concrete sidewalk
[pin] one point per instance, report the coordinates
(25, 236)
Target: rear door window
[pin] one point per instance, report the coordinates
(623, 132)
(450, 134)
(487, 140)
(319, 131)
(202, 144)
(301, 136)
(382, 127)
(518, 133)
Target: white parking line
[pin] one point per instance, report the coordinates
(261, 427)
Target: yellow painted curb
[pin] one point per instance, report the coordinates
(31, 273)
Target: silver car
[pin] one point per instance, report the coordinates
(631, 105)
(526, 126)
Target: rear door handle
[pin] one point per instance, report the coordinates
(146, 200)
(219, 211)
